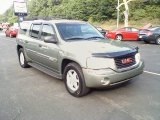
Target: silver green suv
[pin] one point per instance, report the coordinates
(77, 52)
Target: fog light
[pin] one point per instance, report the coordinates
(100, 71)
(105, 82)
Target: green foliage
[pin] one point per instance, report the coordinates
(93, 10)
(149, 9)
(8, 16)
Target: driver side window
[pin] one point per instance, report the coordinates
(47, 31)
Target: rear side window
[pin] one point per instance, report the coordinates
(47, 31)
(128, 29)
(35, 29)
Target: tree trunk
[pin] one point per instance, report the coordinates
(126, 13)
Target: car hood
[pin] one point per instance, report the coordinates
(99, 48)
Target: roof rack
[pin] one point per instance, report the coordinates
(48, 18)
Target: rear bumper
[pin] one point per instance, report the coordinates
(147, 38)
(14, 34)
(95, 80)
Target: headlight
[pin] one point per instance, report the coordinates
(99, 63)
(138, 57)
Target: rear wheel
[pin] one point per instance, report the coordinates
(22, 59)
(119, 37)
(158, 41)
(74, 80)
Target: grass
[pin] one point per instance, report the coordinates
(112, 24)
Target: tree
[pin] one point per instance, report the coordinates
(126, 12)
(93, 10)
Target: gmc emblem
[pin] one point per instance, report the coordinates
(126, 60)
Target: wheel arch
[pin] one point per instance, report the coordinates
(118, 34)
(157, 37)
(18, 47)
(65, 62)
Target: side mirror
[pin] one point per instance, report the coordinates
(50, 39)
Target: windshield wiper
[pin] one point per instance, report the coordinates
(95, 37)
(75, 38)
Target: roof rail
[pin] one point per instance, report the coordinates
(49, 18)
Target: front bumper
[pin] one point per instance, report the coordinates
(95, 80)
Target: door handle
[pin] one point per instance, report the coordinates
(43, 47)
(40, 45)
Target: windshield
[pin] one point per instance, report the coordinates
(78, 31)
(153, 28)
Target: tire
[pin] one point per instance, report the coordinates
(119, 37)
(22, 59)
(158, 41)
(74, 80)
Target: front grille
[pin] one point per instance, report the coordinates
(125, 61)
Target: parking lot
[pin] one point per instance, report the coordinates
(28, 94)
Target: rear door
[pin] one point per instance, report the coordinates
(127, 33)
(32, 43)
(134, 34)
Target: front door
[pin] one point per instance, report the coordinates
(49, 51)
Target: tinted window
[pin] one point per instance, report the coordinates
(153, 28)
(134, 29)
(47, 31)
(128, 29)
(158, 29)
(35, 29)
(77, 30)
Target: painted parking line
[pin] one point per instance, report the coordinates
(152, 73)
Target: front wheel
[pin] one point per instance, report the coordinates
(158, 41)
(74, 80)
(119, 37)
(22, 59)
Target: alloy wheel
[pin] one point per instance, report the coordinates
(21, 58)
(119, 37)
(72, 80)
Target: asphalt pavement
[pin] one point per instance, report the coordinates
(29, 94)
